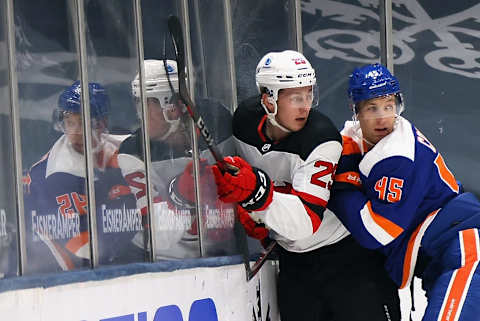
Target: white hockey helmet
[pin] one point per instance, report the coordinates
(156, 82)
(157, 86)
(280, 70)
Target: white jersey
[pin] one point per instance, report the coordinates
(176, 235)
(301, 167)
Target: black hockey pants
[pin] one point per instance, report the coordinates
(339, 282)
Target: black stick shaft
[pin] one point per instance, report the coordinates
(175, 29)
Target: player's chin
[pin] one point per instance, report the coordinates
(298, 124)
(378, 138)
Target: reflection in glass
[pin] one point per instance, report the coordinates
(55, 202)
(56, 211)
(8, 244)
(46, 65)
(174, 217)
(214, 91)
(120, 185)
(170, 150)
(256, 33)
(219, 217)
(170, 137)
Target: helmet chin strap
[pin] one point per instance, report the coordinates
(97, 149)
(271, 116)
(359, 134)
(172, 129)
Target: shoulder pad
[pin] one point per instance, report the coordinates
(128, 163)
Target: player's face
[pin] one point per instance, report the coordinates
(377, 117)
(72, 123)
(74, 131)
(294, 105)
(157, 124)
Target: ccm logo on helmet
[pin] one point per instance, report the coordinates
(305, 75)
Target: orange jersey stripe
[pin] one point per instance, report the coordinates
(407, 262)
(77, 242)
(349, 177)
(412, 249)
(66, 259)
(113, 161)
(350, 146)
(471, 246)
(391, 228)
(460, 281)
(445, 174)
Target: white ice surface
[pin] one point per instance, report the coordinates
(419, 299)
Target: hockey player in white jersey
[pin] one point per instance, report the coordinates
(171, 156)
(288, 155)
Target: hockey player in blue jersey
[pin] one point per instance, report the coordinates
(55, 200)
(289, 152)
(394, 192)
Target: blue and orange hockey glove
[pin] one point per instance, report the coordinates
(347, 174)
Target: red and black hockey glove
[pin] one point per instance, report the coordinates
(250, 187)
(252, 228)
(182, 188)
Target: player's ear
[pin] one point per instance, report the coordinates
(268, 102)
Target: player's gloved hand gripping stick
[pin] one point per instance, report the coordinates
(176, 34)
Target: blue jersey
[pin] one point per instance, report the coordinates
(56, 211)
(405, 183)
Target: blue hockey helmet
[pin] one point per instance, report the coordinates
(69, 102)
(372, 81)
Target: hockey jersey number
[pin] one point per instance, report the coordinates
(65, 202)
(327, 168)
(393, 193)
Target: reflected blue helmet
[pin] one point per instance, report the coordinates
(372, 81)
(69, 100)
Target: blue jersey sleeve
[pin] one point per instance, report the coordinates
(51, 221)
(384, 207)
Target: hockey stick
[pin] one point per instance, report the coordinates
(259, 262)
(175, 29)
